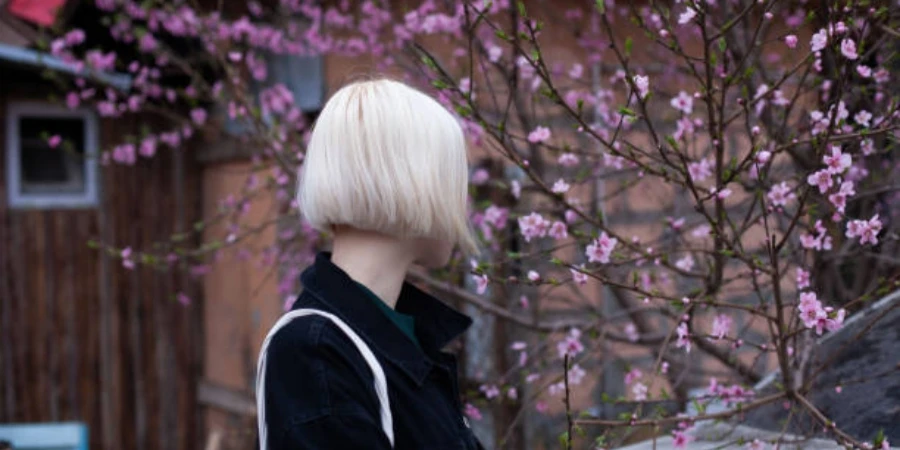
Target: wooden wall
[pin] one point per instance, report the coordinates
(81, 337)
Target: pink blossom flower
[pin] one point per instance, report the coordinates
(472, 412)
(74, 37)
(821, 179)
(778, 98)
(198, 115)
(867, 146)
(683, 102)
(72, 100)
(539, 134)
(780, 194)
(576, 71)
(633, 375)
(512, 393)
(687, 16)
(756, 444)
(676, 224)
(533, 226)
(721, 326)
(560, 187)
(866, 230)
(558, 230)
(802, 278)
(480, 176)
(496, 216)
(680, 439)
(148, 147)
(684, 340)
(863, 118)
(568, 160)
(848, 49)
(127, 260)
(642, 83)
(579, 277)
(837, 161)
(533, 276)
(811, 310)
(576, 374)
(821, 241)
(570, 345)
(701, 231)
(819, 41)
(700, 170)
(864, 71)
(631, 332)
(494, 53)
(686, 263)
(183, 299)
(515, 188)
(640, 391)
(723, 194)
(790, 40)
(481, 283)
(601, 249)
(54, 141)
(839, 199)
(490, 391)
(124, 154)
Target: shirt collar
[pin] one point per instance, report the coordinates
(436, 323)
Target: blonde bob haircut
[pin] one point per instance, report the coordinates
(386, 157)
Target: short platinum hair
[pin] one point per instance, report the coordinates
(386, 157)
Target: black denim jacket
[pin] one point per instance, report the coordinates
(319, 389)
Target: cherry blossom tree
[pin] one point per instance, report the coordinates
(759, 135)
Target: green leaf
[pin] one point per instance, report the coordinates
(522, 11)
(671, 140)
(439, 84)
(722, 45)
(429, 62)
(601, 6)
(626, 112)
(564, 439)
(628, 44)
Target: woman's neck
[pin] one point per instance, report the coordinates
(376, 261)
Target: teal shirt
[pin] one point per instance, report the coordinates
(405, 322)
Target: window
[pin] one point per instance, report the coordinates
(44, 173)
(302, 75)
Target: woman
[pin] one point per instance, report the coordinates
(386, 173)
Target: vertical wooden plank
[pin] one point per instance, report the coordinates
(39, 325)
(168, 388)
(89, 313)
(129, 213)
(19, 310)
(7, 296)
(193, 317)
(8, 407)
(69, 285)
(49, 261)
(107, 336)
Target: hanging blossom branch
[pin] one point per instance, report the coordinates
(762, 161)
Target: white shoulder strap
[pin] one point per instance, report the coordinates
(387, 421)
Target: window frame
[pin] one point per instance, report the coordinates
(17, 199)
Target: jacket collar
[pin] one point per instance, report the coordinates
(436, 323)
